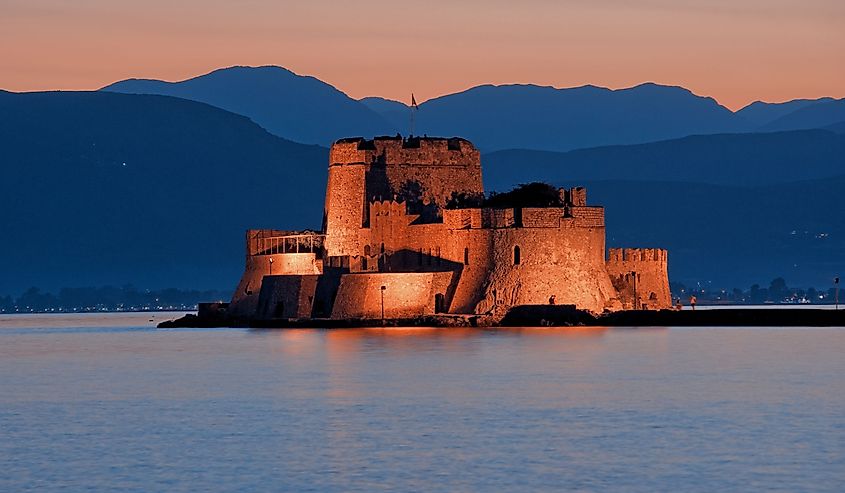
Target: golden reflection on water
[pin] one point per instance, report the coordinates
(389, 333)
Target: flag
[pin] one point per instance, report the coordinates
(413, 102)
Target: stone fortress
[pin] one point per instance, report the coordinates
(402, 238)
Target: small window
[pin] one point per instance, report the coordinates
(516, 255)
(466, 256)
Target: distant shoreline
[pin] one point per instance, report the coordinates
(191, 309)
(90, 312)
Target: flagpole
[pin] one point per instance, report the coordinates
(413, 109)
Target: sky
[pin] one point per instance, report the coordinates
(736, 51)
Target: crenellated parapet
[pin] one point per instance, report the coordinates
(575, 196)
(416, 151)
(387, 208)
(462, 218)
(637, 255)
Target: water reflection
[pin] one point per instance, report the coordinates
(521, 409)
(399, 339)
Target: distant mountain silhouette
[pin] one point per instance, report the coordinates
(299, 108)
(728, 159)
(305, 109)
(545, 118)
(816, 115)
(761, 113)
(103, 188)
(395, 112)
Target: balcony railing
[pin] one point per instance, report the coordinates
(300, 243)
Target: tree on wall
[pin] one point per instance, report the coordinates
(411, 192)
(465, 200)
(535, 194)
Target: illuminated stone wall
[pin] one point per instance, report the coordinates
(286, 296)
(530, 265)
(406, 295)
(244, 303)
(650, 266)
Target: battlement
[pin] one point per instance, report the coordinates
(462, 218)
(524, 217)
(416, 151)
(387, 208)
(575, 196)
(637, 255)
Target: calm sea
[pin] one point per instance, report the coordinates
(109, 403)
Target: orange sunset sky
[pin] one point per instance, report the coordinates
(735, 51)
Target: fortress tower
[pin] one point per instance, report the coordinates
(419, 169)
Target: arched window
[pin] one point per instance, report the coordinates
(466, 256)
(517, 257)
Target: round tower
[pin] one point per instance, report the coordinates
(346, 211)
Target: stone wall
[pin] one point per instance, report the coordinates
(588, 217)
(286, 296)
(497, 218)
(462, 218)
(640, 270)
(397, 244)
(245, 298)
(560, 256)
(565, 263)
(541, 217)
(405, 294)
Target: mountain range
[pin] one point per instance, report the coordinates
(514, 116)
(119, 186)
(300, 108)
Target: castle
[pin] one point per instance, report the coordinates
(405, 234)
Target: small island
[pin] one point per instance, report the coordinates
(409, 238)
(409, 235)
